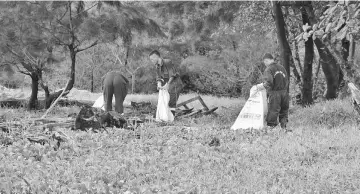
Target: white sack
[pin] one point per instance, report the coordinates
(254, 112)
(99, 103)
(163, 111)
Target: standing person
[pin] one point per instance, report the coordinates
(116, 84)
(276, 83)
(168, 78)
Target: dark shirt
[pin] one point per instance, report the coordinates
(165, 72)
(275, 78)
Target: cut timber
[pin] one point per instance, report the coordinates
(194, 113)
(188, 101)
(188, 111)
(210, 111)
(355, 93)
(204, 104)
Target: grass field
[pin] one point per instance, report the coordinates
(322, 155)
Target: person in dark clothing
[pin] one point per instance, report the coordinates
(116, 84)
(168, 78)
(276, 83)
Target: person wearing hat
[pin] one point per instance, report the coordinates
(168, 78)
(276, 83)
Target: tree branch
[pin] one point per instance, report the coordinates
(53, 35)
(93, 44)
(86, 9)
(21, 71)
(294, 3)
(31, 58)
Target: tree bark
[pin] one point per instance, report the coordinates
(133, 82)
(330, 69)
(297, 58)
(34, 91)
(92, 81)
(307, 85)
(285, 50)
(72, 68)
(328, 60)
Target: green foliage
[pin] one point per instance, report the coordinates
(340, 20)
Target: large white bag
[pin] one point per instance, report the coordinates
(254, 112)
(99, 103)
(163, 111)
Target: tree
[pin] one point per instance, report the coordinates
(338, 25)
(23, 45)
(285, 50)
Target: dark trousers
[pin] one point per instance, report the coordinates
(173, 98)
(174, 91)
(115, 84)
(278, 105)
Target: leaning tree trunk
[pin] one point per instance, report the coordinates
(34, 91)
(307, 85)
(72, 68)
(330, 68)
(286, 54)
(328, 62)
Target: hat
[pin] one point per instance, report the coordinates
(267, 56)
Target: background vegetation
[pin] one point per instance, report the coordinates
(217, 45)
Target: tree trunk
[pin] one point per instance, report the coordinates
(297, 58)
(330, 66)
(34, 91)
(330, 69)
(307, 85)
(92, 81)
(133, 82)
(72, 68)
(285, 50)
(126, 57)
(316, 77)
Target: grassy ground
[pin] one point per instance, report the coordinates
(321, 156)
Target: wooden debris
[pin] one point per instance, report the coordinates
(94, 118)
(56, 101)
(187, 112)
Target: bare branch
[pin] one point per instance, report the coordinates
(52, 34)
(118, 59)
(21, 71)
(66, 11)
(294, 3)
(86, 9)
(31, 58)
(93, 44)
(14, 53)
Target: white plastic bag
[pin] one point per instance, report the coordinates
(254, 112)
(163, 113)
(99, 103)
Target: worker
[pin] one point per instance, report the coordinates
(167, 78)
(275, 81)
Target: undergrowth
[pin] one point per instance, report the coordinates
(321, 156)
